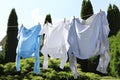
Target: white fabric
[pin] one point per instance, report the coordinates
(89, 38)
(56, 45)
(47, 31)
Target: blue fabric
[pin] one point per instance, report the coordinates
(28, 46)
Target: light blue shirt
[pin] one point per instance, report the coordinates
(28, 46)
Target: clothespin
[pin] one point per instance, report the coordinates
(100, 10)
(47, 23)
(22, 25)
(38, 23)
(74, 17)
(64, 19)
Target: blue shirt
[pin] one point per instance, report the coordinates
(28, 46)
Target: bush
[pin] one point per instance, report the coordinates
(27, 65)
(1, 69)
(10, 69)
(2, 57)
(52, 73)
(114, 69)
(93, 63)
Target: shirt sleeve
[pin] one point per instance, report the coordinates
(18, 62)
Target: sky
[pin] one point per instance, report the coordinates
(32, 12)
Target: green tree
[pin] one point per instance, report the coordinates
(83, 9)
(48, 19)
(11, 41)
(114, 41)
(117, 18)
(87, 9)
(113, 16)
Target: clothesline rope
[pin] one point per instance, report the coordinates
(87, 15)
(12, 26)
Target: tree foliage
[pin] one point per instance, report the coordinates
(11, 41)
(8, 72)
(48, 19)
(87, 9)
(113, 16)
(115, 55)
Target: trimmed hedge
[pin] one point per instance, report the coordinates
(8, 71)
(114, 68)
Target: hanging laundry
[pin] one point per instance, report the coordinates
(87, 39)
(47, 29)
(56, 45)
(28, 45)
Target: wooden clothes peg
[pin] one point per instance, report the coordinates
(21, 24)
(47, 22)
(100, 11)
(74, 17)
(64, 19)
(38, 23)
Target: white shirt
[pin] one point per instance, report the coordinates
(89, 38)
(56, 45)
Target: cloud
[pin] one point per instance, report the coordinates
(37, 17)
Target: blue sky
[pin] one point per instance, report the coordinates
(30, 12)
